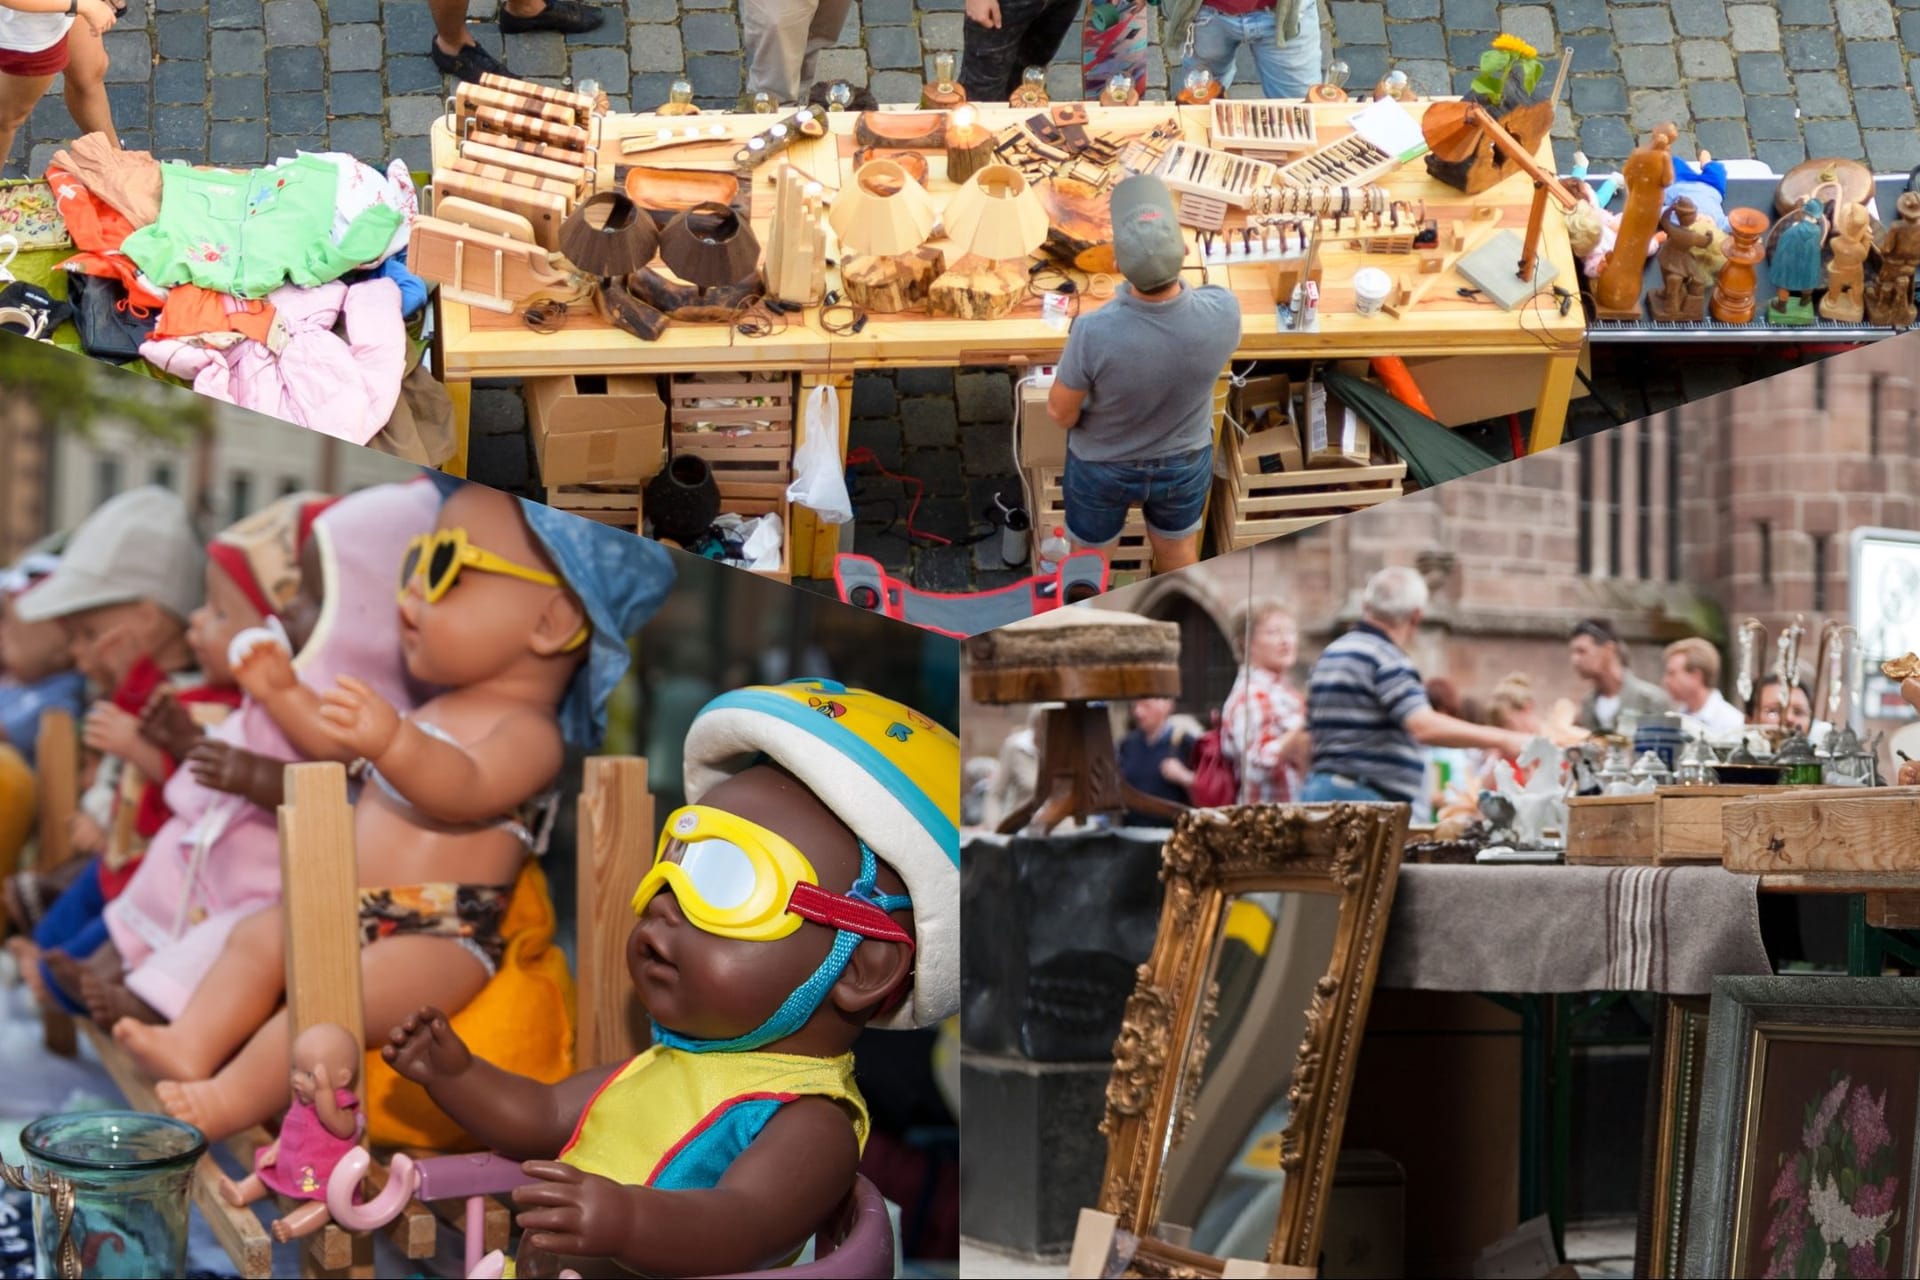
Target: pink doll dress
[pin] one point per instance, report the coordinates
(305, 1157)
(167, 946)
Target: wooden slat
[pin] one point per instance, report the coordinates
(1610, 831)
(1825, 832)
(616, 845)
(57, 765)
(320, 891)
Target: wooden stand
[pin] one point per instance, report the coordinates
(898, 131)
(979, 289)
(797, 250)
(938, 97)
(1733, 291)
(57, 760)
(969, 150)
(890, 284)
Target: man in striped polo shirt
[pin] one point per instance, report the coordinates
(1367, 709)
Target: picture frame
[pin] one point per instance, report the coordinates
(1349, 851)
(1809, 1140)
(1679, 1055)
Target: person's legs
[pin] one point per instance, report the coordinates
(1176, 508)
(18, 97)
(773, 35)
(456, 53)
(1324, 788)
(1286, 70)
(86, 91)
(1097, 497)
(992, 58)
(1045, 34)
(1216, 38)
(822, 33)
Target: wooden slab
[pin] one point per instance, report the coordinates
(1688, 822)
(1826, 832)
(1610, 831)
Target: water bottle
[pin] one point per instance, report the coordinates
(1053, 549)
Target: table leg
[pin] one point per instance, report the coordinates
(1550, 414)
(460, 392)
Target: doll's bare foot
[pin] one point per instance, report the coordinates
(108, 1000)
(200, 1103)
(304, 1221)
(164, 1053)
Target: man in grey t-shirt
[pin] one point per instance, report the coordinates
(1135, 388)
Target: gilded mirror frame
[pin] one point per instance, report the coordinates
(1348, 850)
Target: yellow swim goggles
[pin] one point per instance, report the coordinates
(438, 558)
(737, 879)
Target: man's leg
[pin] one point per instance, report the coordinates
(1286, 70)
(1176, 509)
(823, 33)
(1097, 497)
(1044, 36)
(1216, 38)
(773, 34)
(456, 53)
(992, 58)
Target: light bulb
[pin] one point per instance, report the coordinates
(588, 88)
(765, 103)
(681, 94)
(963, 117)
(839, 96)
(1337, 73)
(943, 64)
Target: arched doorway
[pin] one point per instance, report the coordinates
(1208, 664)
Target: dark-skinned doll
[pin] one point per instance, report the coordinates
(809, 889)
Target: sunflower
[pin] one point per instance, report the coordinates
(1514, 44)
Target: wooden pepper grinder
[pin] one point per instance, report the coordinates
(943, 93)
(1648, 173)
(1733, 291)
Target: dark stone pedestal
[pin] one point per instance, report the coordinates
(1034, 1151)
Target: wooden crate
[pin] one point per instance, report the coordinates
(617, 505)
(1688, 822)
(742, 424)
(1825, 832)
(1251, 506)
(1129, 560)
(1610, 831)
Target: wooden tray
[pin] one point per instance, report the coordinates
(1263, 129)
(1610, 831)
(671, 190)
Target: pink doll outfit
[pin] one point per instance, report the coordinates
(218, 859)
(306, 1154)
(345, 387)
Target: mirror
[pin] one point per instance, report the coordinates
(1269, 941)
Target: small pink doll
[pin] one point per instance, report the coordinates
(322, 1125)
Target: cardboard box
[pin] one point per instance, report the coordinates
(1042, 442)
(590, 429)
(1333, 433)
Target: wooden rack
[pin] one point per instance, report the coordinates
(617, 505)
(1251, 506)
(1129, 560)
(1351, 162)
(743, 425)
(1215, 175)
(1263, 129)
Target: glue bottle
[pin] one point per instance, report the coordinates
(1053, 549)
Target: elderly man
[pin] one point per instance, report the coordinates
(1692, 680)
(1597, 658)
(1367, 710)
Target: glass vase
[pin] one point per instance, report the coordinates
(112, 1191)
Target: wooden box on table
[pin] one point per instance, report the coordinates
(1610, 831)
(1826, 832)
(1689, 822)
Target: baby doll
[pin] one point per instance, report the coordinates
(771, 929)
(35, 659)
(220, 860)
(520, 616)
(322, 1125)
(1706, 185)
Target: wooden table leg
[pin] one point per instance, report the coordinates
(460, 391)
(1550, 414)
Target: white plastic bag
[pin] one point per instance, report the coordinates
(819, 475)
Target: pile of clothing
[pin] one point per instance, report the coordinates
(282, 289)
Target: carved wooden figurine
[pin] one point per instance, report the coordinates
(1683, 274)
(1852, 241)
(1733, 291)
(1796, 268)
(1891, 300)
(1648, 171)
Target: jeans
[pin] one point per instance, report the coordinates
(992, 59)
(1286, 70)
(1171, 491)
(75, 924)
(1323, 788)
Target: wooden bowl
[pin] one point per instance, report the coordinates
(674, 190)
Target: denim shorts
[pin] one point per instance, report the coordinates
(1171, 491)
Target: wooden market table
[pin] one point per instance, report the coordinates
(1542, 342)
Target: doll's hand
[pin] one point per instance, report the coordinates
(221, 767)
(571, 1212)
(1909, 773)
(169, 726)
(266, 668)
(425, 1050)
(111, 731)
(86, 834)
(359, 718)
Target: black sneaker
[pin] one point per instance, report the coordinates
(469, 64)
(568, 17)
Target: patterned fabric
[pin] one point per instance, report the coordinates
(1358, 699)
(1260, 712)
(468, 913)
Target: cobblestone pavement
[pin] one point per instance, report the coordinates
(241, 81)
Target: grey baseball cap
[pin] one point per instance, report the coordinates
(137, 546)
(1148, 246)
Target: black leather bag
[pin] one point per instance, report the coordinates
(109, 328)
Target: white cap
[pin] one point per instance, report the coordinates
(137, 546)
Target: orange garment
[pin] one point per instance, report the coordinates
(191, 311)
(97, 229)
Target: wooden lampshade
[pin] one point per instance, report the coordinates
(996, 215)
(608, 236)
(710, 245)
(884, 212)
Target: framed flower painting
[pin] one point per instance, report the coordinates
(1808, 1157)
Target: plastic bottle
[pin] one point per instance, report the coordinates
(1053, 549)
